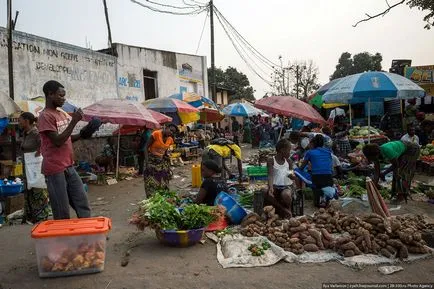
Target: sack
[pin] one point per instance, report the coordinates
(33, 164)
(222, 142)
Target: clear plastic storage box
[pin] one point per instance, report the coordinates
(71, 247)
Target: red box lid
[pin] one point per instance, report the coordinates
(71, 227)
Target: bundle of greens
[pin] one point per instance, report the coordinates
(158, 212)
(246, 199)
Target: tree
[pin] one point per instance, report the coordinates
(299, 78)
(424, 5)
(307, 74)
(360, 62)
(234, 80)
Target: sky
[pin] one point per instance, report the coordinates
(298, 30)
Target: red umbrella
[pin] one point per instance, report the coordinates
(124, 112)
(210, 115)
(291, 107)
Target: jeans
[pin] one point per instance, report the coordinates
(64, 189)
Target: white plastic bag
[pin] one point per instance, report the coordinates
(33, 164)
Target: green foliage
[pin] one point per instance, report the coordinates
(424, 5)
(360, 62)
(196, 216)
(161, 213)
(234, 80)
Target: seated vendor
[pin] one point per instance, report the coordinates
(279, 184)
(221, 149)
(107, 156)
(212, 183)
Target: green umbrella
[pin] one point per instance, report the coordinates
(317, 101)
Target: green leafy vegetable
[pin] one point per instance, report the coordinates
(196, 216)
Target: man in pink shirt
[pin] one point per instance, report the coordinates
(63, 182)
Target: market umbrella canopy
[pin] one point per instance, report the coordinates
(291, 107)
(7, 106)
(210, 115)
(243, 109)
(121, 111)
(372, 86)
(195, 100)
(37, 104)
(179, 111)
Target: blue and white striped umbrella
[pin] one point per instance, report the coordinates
(243, 109)
(372, 86)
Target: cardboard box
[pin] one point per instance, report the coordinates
(14, 203)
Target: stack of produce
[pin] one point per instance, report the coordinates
(160, 213)
(391, 237)
(364, 132)
(427, 153)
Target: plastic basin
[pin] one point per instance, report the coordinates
(218, 225)
(183, 238)
(234, 211)
(10, 190)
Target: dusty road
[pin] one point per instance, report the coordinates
(154, 266)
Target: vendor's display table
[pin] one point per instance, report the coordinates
(379, 139)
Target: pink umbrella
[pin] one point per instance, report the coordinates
(291, 107)
(124, 112)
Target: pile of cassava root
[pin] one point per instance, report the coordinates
(346, 234)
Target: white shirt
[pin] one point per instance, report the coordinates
(281, 174)
(412, 139)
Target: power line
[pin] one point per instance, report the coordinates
(260, 55)
(201, 34)
(246, 53)
(195, 12)
(176, 7)
(239, 52)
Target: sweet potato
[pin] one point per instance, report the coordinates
(286, 227)
(359, 240)
(297, 246)
(326, 234)
(403, 253)
(374, 221)
(348, 246)
(343, 240)
(381, 243)
(417, 249)
(303, 219)
(310, 248)
(303, 235)
(281, 240)
(349, 253)
(395, 225)
(375, 247)
(294, 240)
(296, 235)
(395, 243)
(385, 253)
(367, 238)
(294, 223)
(391, 249)
(417, 236)
(309, 240)
(383, 237)
(300, 228)
(271, 237)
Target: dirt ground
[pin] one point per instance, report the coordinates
(152, 265)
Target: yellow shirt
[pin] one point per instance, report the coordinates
(225, 151)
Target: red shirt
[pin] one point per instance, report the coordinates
(56, 159)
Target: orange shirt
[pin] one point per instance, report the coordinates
(158, 147)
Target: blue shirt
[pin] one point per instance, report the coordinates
(297, 124)
(321, 160)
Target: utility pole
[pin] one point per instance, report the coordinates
(10, 60)
(109, 31)
(213, 82)
(296, 77)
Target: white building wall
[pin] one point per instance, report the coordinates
(173, 72)
(88, 76)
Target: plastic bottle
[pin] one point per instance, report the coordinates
(196, 176)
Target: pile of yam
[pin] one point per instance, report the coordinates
(393, 237)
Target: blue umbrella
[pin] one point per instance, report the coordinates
(371, 86)
(241, 109)
(195, 100)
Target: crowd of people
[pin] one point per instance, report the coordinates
(313, 152)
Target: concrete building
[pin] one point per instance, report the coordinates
(145, 73)
(134, 73)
